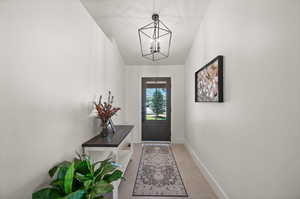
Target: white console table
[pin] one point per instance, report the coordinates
(117, 145)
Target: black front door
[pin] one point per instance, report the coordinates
(156, 109)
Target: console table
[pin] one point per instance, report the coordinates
(117, 145)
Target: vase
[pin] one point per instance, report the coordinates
(105, 130)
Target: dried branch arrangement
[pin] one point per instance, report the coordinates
(106, 110)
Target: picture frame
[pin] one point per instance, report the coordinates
(209, 81)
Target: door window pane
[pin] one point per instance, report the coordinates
(156, 104)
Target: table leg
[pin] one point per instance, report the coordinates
(115, 190)
(115, 193)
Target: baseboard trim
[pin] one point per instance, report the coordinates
(177, 141)
(206, 173)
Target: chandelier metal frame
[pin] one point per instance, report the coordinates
(159, 30)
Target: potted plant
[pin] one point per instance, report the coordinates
(105, 111)
(80, 179)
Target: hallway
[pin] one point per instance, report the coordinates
(218, 80)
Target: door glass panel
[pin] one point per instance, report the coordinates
(156, 104)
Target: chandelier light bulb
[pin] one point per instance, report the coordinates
(154, 46)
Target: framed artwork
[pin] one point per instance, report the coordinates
(209, 81)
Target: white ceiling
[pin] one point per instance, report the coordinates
(120, 19)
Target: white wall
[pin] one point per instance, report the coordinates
(53, 59)
(250, 143)
(134, 75)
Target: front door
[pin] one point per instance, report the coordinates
(156, 109)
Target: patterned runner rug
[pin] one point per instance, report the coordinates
(158, 174)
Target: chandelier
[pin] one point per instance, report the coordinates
(155, 39)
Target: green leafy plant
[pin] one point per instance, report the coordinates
(80, 179)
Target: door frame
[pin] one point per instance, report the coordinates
(169, 104)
